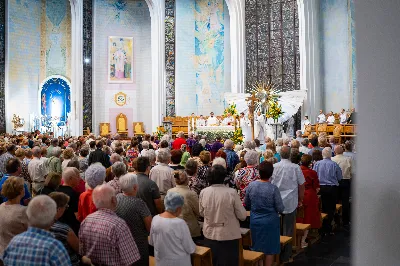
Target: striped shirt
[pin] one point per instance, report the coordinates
(60, 231)
(36, 247)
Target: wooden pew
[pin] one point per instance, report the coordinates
(300, 231)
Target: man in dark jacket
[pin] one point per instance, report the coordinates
(98, 156)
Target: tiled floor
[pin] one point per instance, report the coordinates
(330, 251)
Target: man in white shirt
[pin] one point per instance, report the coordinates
(201, 122)
(305, 123)
(37, 170)
(345, 163)
(321, 117)
(212, 120)
(289, 178)
(245, 125)
(343, 117)
(331, 118)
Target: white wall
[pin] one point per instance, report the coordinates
(133, 21)
(376, 231)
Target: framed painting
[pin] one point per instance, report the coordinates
(120, 59)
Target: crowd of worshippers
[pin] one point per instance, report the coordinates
(105, 201)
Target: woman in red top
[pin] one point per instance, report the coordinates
(312, 214)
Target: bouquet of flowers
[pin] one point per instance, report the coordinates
(274, 110)
(160, 132)
(231, 109)
(238, 136)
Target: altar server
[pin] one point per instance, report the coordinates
(245, 125)
(259, 127)
(201, 122)
(343, 117)
(331, 118)
(212, 120)
(228, 120)
(321, 117)
(305, 123)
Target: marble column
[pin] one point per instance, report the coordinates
(87, 64)
(310, 67)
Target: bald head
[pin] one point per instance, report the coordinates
(104, 197)
(338, 149)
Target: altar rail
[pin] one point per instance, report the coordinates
(180, 123)
(341, 132)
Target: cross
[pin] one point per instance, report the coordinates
(252, 106)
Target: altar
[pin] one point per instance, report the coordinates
(212, 132)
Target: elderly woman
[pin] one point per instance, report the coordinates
(118, 169)
(51, 184)
(264, 201)
(222, 209)
(312, 214)
(170, 235)
(232, 159)
(136, 215)
(13, 215)
(185, 156)
(62, 231)
(68, 154)
(279, 144)
(20, 154)
(54, 162)
(199, 182)
(151, 154)
(229, 180)
(190, 209)
(95, 176)
(247, 174)
(145, 147)
(191, 168)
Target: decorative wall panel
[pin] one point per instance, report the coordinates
(2, 65)
(170, 56)
(87, 64)
(272, 44)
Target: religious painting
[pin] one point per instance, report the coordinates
(120, 59)
(55, 95)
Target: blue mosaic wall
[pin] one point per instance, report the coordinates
(2, 65)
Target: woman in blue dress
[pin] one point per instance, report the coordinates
(264, 201)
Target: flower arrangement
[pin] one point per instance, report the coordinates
(238, 137)
(274, 110)
(212, 135)
(231, 109)
(160, 132)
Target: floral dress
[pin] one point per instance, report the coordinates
(199, 182)
(132, 153)
(244, 177)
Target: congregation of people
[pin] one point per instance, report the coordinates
(106, 201)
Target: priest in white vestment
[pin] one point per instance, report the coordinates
(227, 120)
(212, 120)
(201, 122)
(259, 127)
(245, 126)
(192, 123)
(305, 123)
(330, 119)
(343, 117)
(321, 117)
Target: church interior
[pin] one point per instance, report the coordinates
(156, 85)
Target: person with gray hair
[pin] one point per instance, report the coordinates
(136, 214)
(104, 237)
(162, 174)
(37, 170)
(94, 176)
(248, 174)
(37, 244)
(145, 147)
(299, 136)
(232, 159)
(290, 180)
(346, 164)
(151, 154)
(170, 235)
(54, 162)
(118, 169)
(329, 174)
